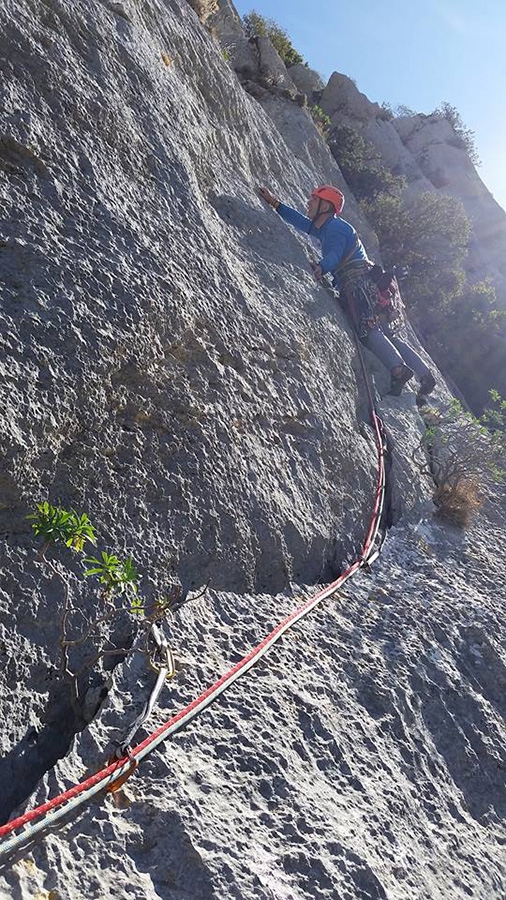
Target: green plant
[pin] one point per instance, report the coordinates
(321, 120)
(494, 417)
(87, 634)
(465, 137)
(57, 526)
(361, 165)
(257, 25)
(114, 574)
(402, 110)
(54, 524)
(461, 324)
(387, 112)
(464, 454)
(137, 606)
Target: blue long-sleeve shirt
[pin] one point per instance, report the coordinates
(337, 237)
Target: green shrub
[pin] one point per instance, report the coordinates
(387, 112)
(321, 120)
(55, 525)
(429, 236)
(464, 454)
(114, 574)
(257, 25)
(465, 137)
(361, 164)
(401, 110)
(90, 632)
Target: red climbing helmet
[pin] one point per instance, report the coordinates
(331, 194)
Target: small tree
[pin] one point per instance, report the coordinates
(84, 636)
(466, 137)
(321, 120)
(257, 25)
(387, 112)
(402, 111)
(429, 236)
(464, 455)
(361, 165)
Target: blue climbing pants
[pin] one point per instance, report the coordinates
(392, 351)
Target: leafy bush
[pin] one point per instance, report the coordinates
(321, 120)
(257, 25)
(464, 454)
(361, 165)
(349, 148)
(461, 324)
(466, 137)
(114, 574)
(387, 112)
(401, 110)
(54, 525)
(83, 634)
(429, 237)
(467, 340)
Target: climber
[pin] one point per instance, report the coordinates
(344, 257)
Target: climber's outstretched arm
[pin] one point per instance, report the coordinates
(290, 215)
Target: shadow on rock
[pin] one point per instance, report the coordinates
(165, 852)
(22, 768)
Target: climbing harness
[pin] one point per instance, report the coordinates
(22, 830)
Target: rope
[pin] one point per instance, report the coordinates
(47, 814)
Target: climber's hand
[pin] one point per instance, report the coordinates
(268, 197)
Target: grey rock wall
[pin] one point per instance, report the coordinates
(168, 365)
(341, 98)
(159, 321)
(307, 81)
(363, 758)
(204, 8)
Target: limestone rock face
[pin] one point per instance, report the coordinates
(244, 59)
(261, 69)
(226, 24)
(384, 136)
(385, 706)
(170, 367)
(255, 60)
(165, 330)
(342, 98)
(204, 8)
(272, 69)
(307, 81)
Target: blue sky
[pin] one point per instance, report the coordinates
(416, 54)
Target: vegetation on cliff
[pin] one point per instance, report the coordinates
(461, 323)
(258, 26)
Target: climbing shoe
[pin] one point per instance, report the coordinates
(400, 375)
(427, 384)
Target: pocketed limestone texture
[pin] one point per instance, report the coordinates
(170, 367)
